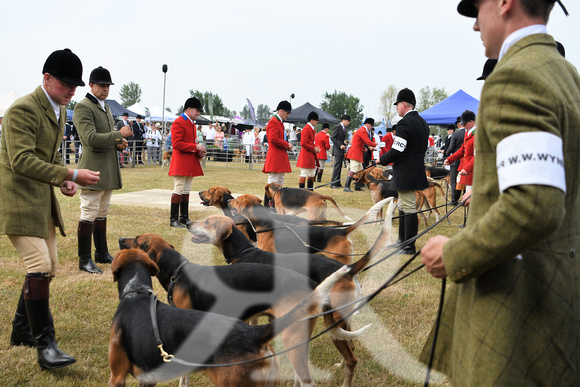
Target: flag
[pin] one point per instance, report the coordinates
(252, 113)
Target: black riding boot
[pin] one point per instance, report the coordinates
(301, 182)
(36, 294)
(174, 216)
(310, 183)
(401, 237)
(347, 184)
(184, 210)
(84, 234)
(411, 229)
(21, 334)
(319, 175)
(100, 238)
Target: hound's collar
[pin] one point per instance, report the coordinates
(138, 291)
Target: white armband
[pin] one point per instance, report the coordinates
(530, 158)
(399, 144)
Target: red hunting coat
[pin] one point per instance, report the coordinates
(277, 156)
(358, 141)
(322, 140)
(388, 140)
(467, 156)
(184, 161)
(307, 157)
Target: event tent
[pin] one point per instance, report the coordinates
(117, 109)
(447, 111)
(300, 114)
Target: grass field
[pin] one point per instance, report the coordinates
(83, 305)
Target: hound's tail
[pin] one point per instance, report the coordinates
(310, 306)
(371, 213)
(331, 200)
(380, 243)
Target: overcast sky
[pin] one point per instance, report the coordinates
(261, 50)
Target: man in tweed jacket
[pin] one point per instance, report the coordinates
(96, 127)
(511, 317)
(30, 167)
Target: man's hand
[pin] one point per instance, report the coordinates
(467, 197)
(446, 162)
(68, 188)
(201, 151)
(463, 172)
(87, 177)
(290, 146)
(432, 254)
(316, 149)
(124, 145)
(126, 131)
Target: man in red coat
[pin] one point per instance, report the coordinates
(322, 141)
(360, 139)
(184, 161)
(466, 154)
(307, 157)
(277, 163)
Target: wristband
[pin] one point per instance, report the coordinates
(75, 174)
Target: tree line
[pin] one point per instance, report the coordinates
(336, 103)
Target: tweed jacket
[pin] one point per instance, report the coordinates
(277, 156)
(337, 137)
(307, 157)
(321, 140)
(185, 160)
(409, 164)
(99, 138)
(511, 315)
(31, 166)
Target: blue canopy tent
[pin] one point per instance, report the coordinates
(117, 109)
(447, 111)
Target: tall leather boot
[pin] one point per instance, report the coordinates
(411, 229)
(84, 234)
(401, 237)
(358, 186)
(21, 334)
(301, 182)
(310, 183)
(36, 294)
(319, 175)
(184, 210)
(347, 184)
(100, 238)
(174, 216)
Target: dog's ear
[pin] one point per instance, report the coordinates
(223, 227)
(116, 265)
(151, 266)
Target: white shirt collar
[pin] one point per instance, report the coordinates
(281, 120)
(519, 34)
(412, 110)
(470, 131)
(55, 106)
(311, 126)
(102, 103)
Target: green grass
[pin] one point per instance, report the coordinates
(83, 305)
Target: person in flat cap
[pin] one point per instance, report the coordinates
(124, 121)
(322, 142)
(307, 157)
(361, 140)
(277, 163)
(96, 127)
(511, 311)
(185, 161)
(408, 157)
(30, 167)
(339, 142)
(137, 139)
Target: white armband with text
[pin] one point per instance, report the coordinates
(530, 158)
(399, 144)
